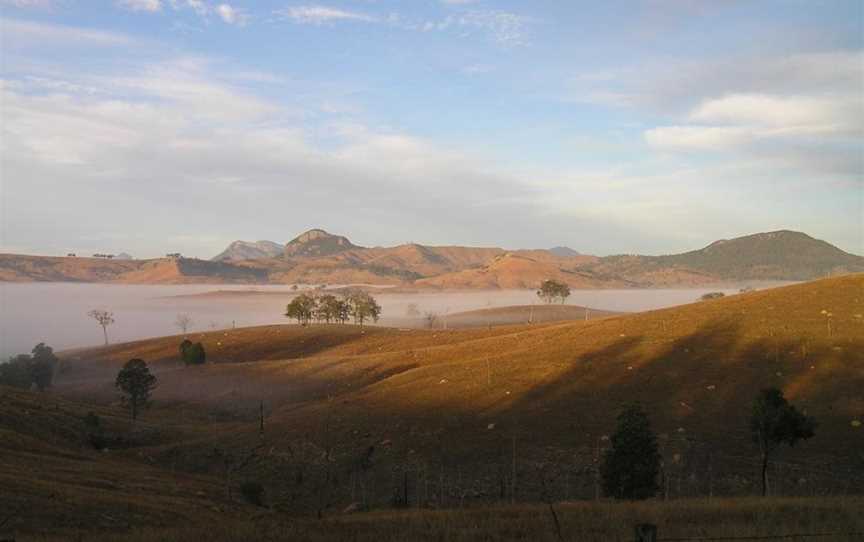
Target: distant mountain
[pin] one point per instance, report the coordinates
(778, 255)
(564, 252)
(247, 250)
(318, 257)
(316, 243)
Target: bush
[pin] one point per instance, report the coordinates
(712, 295)
(253, 492)
(192, 353)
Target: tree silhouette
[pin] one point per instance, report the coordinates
(104, 318)
(774, 422)
(631, 465)
(136, 383)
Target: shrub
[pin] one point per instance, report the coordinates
(253, 492)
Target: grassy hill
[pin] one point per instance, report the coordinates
(472, 416)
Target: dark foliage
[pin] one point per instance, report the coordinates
(136, 383)
(631, 467)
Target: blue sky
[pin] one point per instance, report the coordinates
(656, 126)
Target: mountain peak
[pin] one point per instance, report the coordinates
(317, 242)
(248, 250)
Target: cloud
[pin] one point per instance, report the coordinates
(20, 32)
(322, 14)
(141, 5)
(231, 15)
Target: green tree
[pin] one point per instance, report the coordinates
(631, 466)
(327, 309)
(775, 421)
(16, 372)
(192, 353)
(362, 306)
(42, 366)
(302, 308)
(552, 290)
(136, 383)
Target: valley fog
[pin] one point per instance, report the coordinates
(56, 313)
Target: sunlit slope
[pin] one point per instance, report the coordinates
(696, 366)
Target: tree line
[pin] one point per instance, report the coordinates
(328, 308)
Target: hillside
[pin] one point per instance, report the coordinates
(318, 257)
(555, 386)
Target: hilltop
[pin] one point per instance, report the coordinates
(319, 257)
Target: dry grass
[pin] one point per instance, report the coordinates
(441, 409)
(588, 522)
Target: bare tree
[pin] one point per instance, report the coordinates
(104, 318)
(431, 319)
(183, 321)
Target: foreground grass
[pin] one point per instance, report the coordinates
(606, 522)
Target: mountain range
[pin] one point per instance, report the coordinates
(318, 257)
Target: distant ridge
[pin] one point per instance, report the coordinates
(247, 250)
(319, 257)
(564, 252)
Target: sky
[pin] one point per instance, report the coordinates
(652, 126)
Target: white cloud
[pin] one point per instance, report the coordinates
(20, 32)
(323, 14)
(698, 138)
(141, 5)
(785, 114)
(231, 15)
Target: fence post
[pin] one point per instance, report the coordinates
(646, 532)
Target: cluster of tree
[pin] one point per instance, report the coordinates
(356, 304)
(136, 384)
(632, 466)
(712, 295)
(29, 370)
(106, 256)
(551, 291)
(192, 353)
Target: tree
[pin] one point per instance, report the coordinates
(16, 372)
(302, 308)
(431, 319)
(183, 321)
(42, 366)
(632, 464)
(327, 308)
(363, 306)
(712, 295)
(192, 353)
(552, 290)
(774, 422)
(136, 383)
(103, 318)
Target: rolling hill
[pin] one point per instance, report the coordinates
(459, 417)
(318, 257)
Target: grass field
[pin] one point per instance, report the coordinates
(457, 419)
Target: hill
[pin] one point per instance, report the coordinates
(318, 257)
(451, 402)
(454, 418)
(248, 250)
